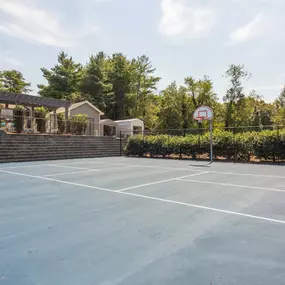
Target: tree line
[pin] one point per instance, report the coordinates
(127, 88)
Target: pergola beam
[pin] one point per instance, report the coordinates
(32, 101)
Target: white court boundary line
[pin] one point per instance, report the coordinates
(161, 181)
(59, 181)
(152, 198)
(233, 185)
(203, 207)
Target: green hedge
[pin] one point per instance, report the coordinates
(79, 124)
(60, 122)
(18, 118)
(264, 145)
(41, 119)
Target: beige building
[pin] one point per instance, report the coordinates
(106, 127)
(93, 113)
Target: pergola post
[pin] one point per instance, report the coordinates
(66, 120)
(54, 120)
(32, 118)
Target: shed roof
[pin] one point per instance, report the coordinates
(108, 122)
(127, 121)
(75, 105)
(32, 100)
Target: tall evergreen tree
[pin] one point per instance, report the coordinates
(119, 75)
(64, 79)
(14, 81)
(95, 84)
(143, 84)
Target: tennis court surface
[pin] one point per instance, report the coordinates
(141, 221)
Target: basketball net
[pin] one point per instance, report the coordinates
(200, 120)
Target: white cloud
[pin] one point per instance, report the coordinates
(282, 75)
(181, 20)
(268, 87)
(102, 1)
(9, 62)
(32, 24)
(251, 30)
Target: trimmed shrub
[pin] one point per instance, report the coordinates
(60, 123)
(78, 124)
(270, 145)
(264, 145)
(2, 122)
(18, 118)
(40, 115)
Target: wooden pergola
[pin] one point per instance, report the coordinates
(33, 101)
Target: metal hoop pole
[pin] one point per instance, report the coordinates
(211, 142)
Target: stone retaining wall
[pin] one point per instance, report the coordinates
(18, 147)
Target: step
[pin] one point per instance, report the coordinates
(33, 155)
(55, 153)
(15, 147)
(53, 158)
(55, 139)
(53, 143)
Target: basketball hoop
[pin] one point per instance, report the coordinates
(206, 113)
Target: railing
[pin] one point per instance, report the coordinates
(48, 125)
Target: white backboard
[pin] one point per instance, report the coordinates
(203, 113)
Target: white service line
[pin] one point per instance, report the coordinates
(217, 172)
(152, 198)
(167, 168)
(95, 162)
(23, 166)
(248, 174)
(194, 168)
(86, 171)
(232, 185)
(161, 181)
(68, 167)
(65, 173)
(203, 207)
(59, 181)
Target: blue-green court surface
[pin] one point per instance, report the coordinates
(139, 221)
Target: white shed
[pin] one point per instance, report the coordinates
(129, 127)
(108, 128)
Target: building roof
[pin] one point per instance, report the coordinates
(108, 121)
(32, 100)
(127, 121)
(76, 105)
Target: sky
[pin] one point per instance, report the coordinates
(181, 37)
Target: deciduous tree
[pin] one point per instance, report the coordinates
(236, 74)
